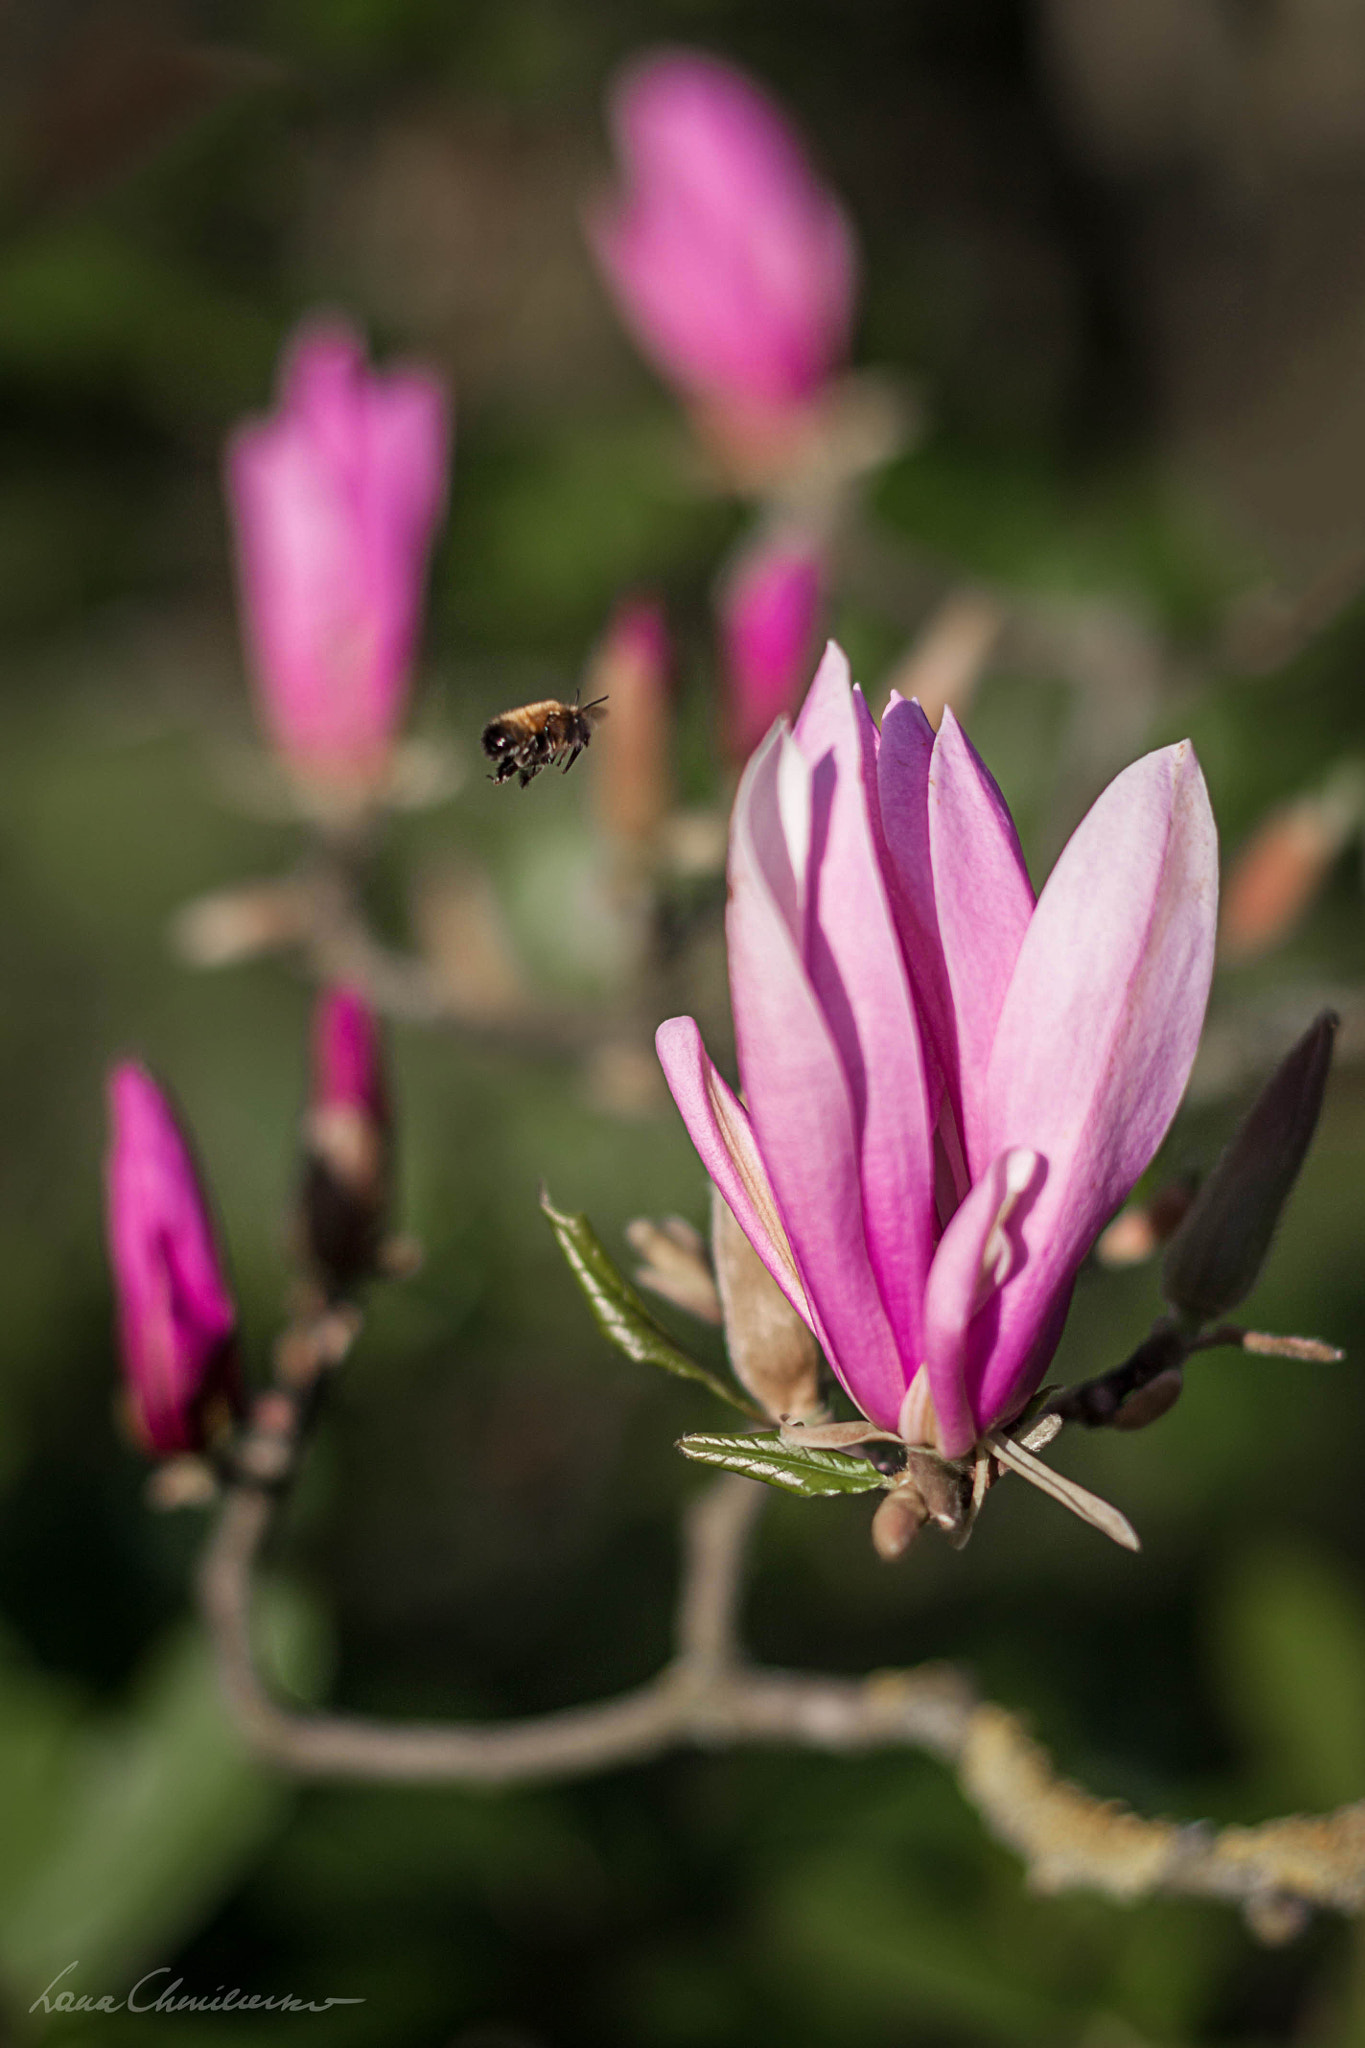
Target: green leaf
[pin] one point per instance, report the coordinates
(621, 1314)
(812, 1474)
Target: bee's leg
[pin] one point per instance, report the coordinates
(573, 756)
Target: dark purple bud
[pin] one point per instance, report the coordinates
(1214, 1258)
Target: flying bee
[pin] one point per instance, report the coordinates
(537, 736)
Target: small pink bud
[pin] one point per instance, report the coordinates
(732, 264)
(631, 755)
(175, 1314)
(769, 609)
(345, 1196)
(335, 497)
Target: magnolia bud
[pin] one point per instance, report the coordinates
(335, 498)
(175, 1314)
(345, 1197)
(774, 1355)
(769, 605)
(1214, 1258)
(632, 780)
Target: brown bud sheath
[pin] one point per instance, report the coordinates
(774, 1355)
(674, 1265)
(1212, 1261)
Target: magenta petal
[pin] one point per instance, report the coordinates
(718, 1125)
(802, 1104)
(907, 745)
(854, 960)
(979, 1253)
(984, 902)
(1099, 1027)
(175, 1313)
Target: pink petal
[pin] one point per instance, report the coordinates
(854, 960)
(907, 745)
(719, 1127)
(979, 1252)
(984, 901)
(1099, 1028)
(805, 1114)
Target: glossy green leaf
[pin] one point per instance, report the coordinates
(621, 1314)
(813, 1474)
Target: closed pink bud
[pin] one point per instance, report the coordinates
(769, 609)
(631, 753)
(346, 1177)
(733, 266)
(335, 498)
(175, 1314)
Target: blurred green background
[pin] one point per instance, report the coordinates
(1120, 249)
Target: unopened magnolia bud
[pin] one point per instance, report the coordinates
(632, 778)
(176, 1316)
(769, 607)
(774, 1355)
(1150, 1403)
(674, 1264)
(1214, 1258)
(345, 1196)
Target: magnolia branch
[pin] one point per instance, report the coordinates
(711, 1697)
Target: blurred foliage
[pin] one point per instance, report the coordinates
(489, 1517)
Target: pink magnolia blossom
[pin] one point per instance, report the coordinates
(731, 263)
(949, 1087)
(335, 498)
(769, 605)
(175, 1314)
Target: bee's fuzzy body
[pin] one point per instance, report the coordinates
(536, 736)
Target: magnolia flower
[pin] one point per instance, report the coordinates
(346, 1176)
(730, 262)
(769, 604)
(175, 1314)
(335, 497)
(949, 1088)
